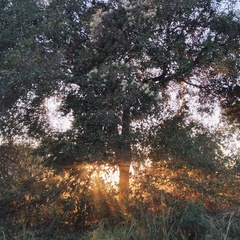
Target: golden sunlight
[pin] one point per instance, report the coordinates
(108, 175)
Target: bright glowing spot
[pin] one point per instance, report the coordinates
(137, 168)
(109, 174)
(55, 116)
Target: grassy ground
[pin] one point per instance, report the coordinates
(163, 204)
(190, 222)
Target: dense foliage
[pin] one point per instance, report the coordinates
(110, 62)
(132, 76)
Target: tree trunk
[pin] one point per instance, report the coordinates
(124, 153)
(124, 169)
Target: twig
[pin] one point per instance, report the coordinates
(229, 223)
(4, 237)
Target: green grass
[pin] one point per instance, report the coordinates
(172, 226)
(188, 222)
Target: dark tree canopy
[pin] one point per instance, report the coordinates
(191, 146)
(110, 62)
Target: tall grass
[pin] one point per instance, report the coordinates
(191, 222)
(59, 205)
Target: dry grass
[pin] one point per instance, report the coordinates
(163, 204)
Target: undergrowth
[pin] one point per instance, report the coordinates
(68, 205)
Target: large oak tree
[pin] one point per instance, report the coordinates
(111, 62)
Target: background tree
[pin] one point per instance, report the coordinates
(26, 64)
(188, 145)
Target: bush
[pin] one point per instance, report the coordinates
(47, 203)
(39, 203)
